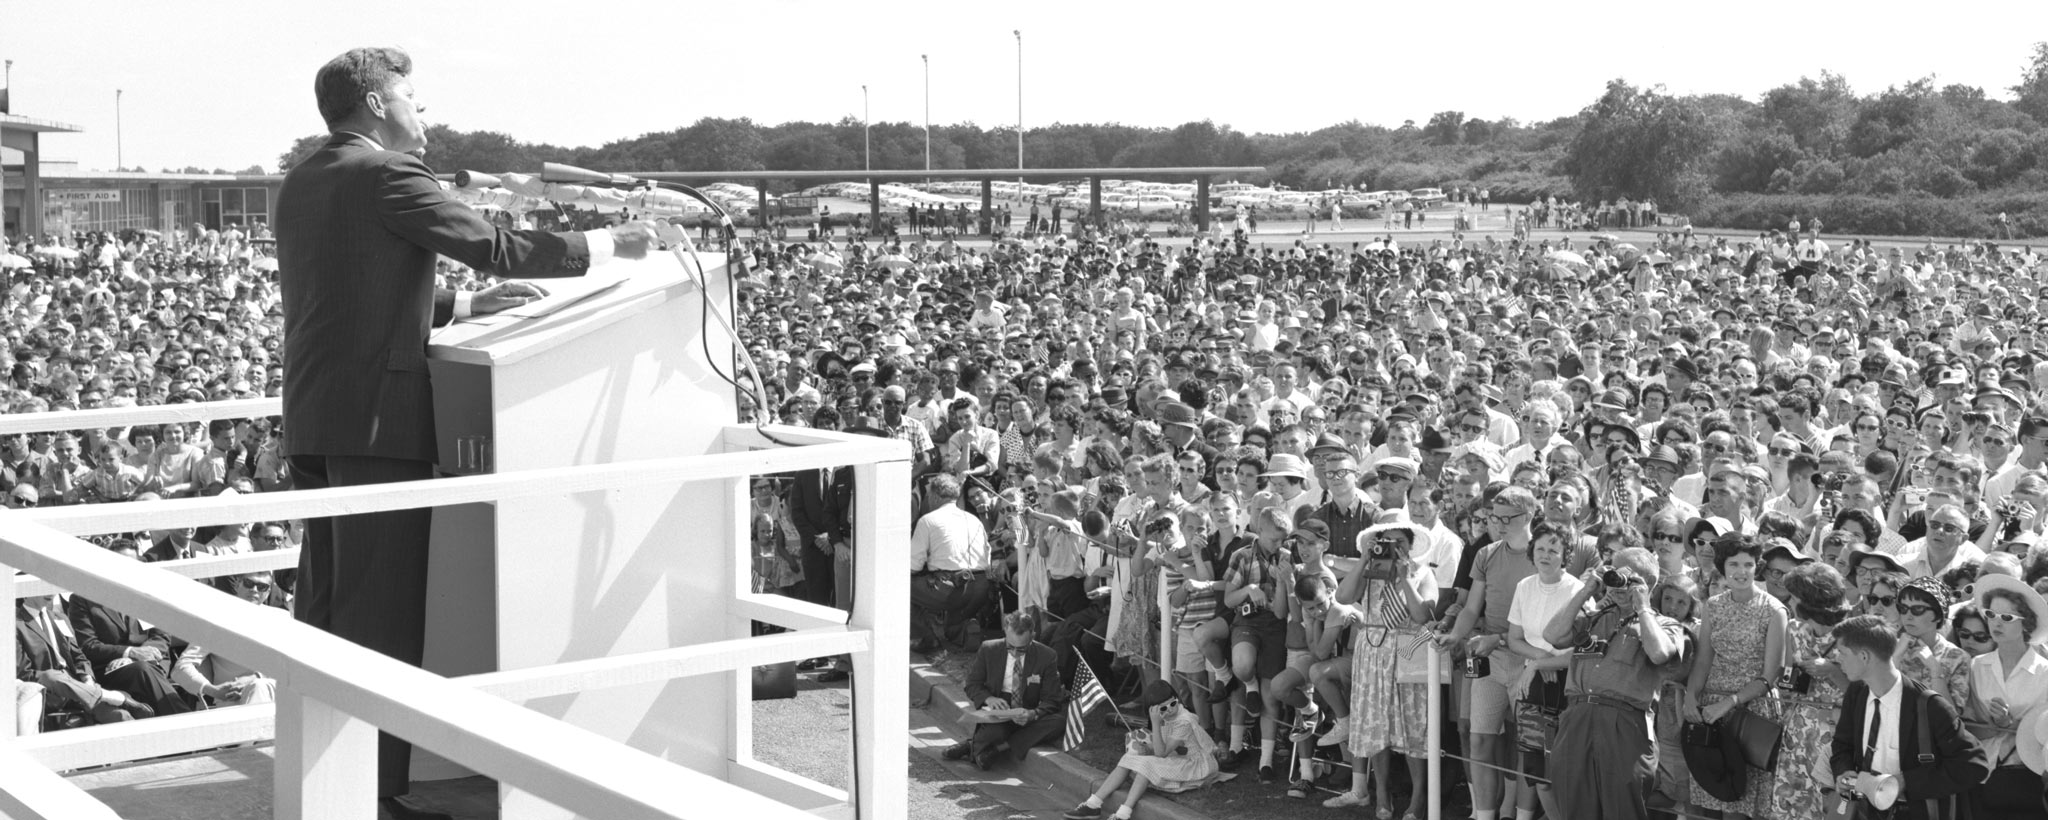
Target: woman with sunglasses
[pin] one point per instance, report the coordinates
(2005, 685)
(1969, 630)
(1173, 755)
(1925, 655)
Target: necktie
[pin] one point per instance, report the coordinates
(1870, 745)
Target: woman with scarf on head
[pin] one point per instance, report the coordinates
(1814, 693)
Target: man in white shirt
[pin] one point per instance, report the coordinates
(1945, 546)
(1878, 730)
(1543, 418)
(949, 566)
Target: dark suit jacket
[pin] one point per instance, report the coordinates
(1043, 692)
(358, 230)
(1960, 764)
(823, 506)
(105, 635)
(35, 654)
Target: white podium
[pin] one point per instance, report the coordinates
(616, 366)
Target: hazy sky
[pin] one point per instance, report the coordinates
(228, 83)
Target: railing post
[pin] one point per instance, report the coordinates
(1436, 736)
(326, 762)
(13, 650)
(1167, 663)
(881, 676)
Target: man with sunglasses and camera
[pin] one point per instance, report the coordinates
(1622, 645)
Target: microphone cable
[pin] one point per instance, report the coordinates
(707, 312)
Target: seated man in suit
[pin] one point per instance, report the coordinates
(1878, 732)
(48, 668)
(1015, 673)
(218, 681)
(124, 654)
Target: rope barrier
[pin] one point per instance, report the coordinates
(1292, 761)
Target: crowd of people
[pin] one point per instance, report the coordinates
(1643, 501)
(109, 320)
(1652, 505)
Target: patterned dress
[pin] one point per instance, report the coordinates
(1943, 668)
(1739, 630)
(1384, 714)
(1809, 732)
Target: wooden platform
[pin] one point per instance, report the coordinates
(236, 785)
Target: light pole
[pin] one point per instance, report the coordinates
(867, 145)
(927, 58)
(119, 162)
(1020, 98)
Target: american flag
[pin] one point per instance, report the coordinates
(1088, 694)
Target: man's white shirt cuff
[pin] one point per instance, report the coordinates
(463, 299)
(601, 247)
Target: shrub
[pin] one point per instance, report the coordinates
(1906, 215)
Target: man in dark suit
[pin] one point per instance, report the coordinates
(128, 656)
(1014, 672)
(1885, 740)
(821, 506)
(360, 224)
(47, 655)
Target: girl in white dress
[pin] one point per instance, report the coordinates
(1176, 755)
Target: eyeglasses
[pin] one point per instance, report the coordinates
(1389, 475)
(1914, 610)
(271, 537)
(1866, 428)
(26, 502)
(1775, 574)
(1882, 600)
(2001, 616)
(1503, 519)
(254, 586)
(1944, 526)
(1471, 428)
(1783, 452)
(1668, 538)
(1979, 637)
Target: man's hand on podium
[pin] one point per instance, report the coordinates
(504, 296)
(632, 240)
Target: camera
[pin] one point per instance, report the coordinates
(1159, 526)
(1380, 558)
(1613, 577)
(1478, 666)
(1795, 680)
(1593, 646)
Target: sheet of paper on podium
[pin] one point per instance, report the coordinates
(564, 293)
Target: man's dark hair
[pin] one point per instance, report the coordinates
(342, 82)
(1868, 633)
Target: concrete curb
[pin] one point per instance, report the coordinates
(946, 701)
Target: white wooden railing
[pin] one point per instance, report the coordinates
(334, 696)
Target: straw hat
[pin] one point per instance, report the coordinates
(1982, 588)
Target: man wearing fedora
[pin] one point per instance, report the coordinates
(1892, 728)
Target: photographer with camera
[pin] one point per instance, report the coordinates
(1619, 642)
(1255, 587)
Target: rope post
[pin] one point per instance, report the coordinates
(1166, 660)
(1436, 735)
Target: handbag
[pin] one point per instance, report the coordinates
(1759, 738)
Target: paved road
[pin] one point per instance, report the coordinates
(810, 736)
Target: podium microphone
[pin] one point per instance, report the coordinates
(559, 173)
(475, 179)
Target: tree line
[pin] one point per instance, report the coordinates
(1917, 158)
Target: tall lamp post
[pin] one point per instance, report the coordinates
(119, 161)
(1020, 99)
(867, 145)
(927, 58)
